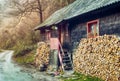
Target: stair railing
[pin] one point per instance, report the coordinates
(60, 49)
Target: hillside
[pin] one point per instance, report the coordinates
(17, 20)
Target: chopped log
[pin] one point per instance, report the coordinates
(99, 57)
(42, 55)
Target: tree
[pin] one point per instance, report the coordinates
(40, 11)
(26, 7)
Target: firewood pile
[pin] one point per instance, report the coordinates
(99, 57)
(42, 55)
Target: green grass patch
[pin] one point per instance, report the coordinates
(25, 59)
(81, 77)
(24, 54)
(0, 50)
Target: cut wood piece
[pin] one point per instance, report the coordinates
(42, 54)
(99, 57)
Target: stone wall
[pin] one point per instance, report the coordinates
(108, 25)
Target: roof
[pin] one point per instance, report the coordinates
(77, 8)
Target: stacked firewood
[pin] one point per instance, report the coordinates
(99, 57)
(42, 55)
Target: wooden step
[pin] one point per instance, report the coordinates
(66, 61)
(68, 68)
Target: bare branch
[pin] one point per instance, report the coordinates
(28, 6)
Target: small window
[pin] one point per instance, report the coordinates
(93, 29)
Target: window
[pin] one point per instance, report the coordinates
(93, 29)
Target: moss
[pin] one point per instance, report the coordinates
(81, 77)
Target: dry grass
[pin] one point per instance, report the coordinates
(21, 38)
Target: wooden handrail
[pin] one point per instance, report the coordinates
(60, 57)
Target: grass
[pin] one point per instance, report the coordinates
(0, 50)
(24, 51)
(81, 77)
(28, 58)
(25, 56)
(22, 42)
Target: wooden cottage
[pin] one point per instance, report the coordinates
(82, 19)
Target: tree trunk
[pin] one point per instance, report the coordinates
(40, 11)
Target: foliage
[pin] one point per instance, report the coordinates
(28, 58)
(81, 77)
(22, 42)
(18, 34)
(24, 52)
(22, 49)
(0, 50)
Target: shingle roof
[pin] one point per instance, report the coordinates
(78, 7)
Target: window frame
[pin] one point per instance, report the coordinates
(88, 27)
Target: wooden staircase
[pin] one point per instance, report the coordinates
(67, 61)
